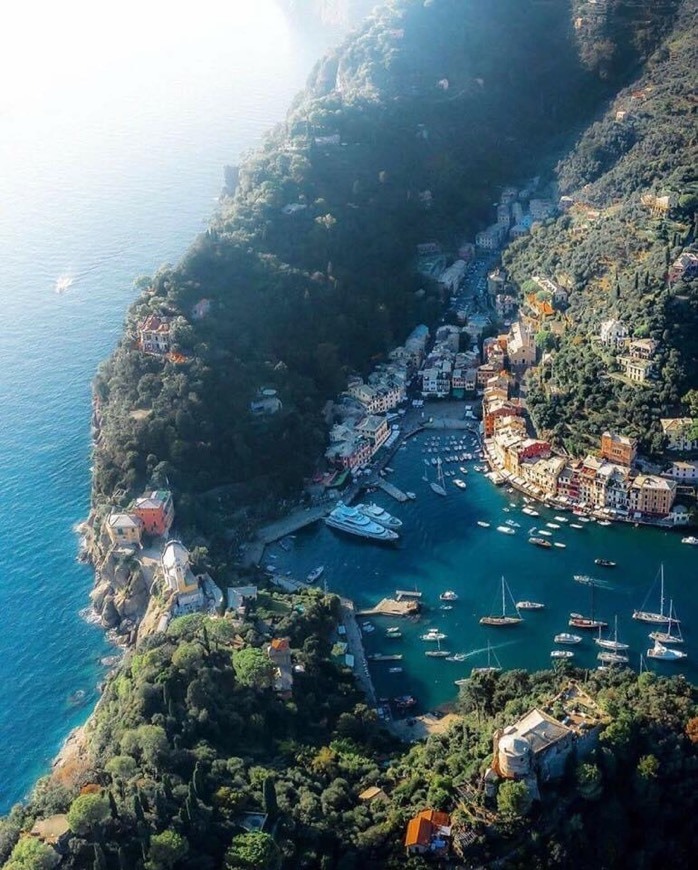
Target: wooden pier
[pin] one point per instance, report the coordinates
(391, 490)
(407, 593)
(391, 607)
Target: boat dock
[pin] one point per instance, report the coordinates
(355, 647)
(292, 523)
(407, 593)
(391, 490)
(391, 607)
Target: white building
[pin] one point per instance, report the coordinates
(179, 578)
(679, 433)
(613, 333)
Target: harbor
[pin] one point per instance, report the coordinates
(442, 547)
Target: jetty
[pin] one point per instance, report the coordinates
(407, 593)
(292, 523)
(391, 607)
(391, 490)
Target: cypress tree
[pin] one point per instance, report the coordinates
(207, 645)
(144, 801)
(167, 787)
(124, 862)
(138, 808)
(161, 809)
(271, 805)
(99, 862)
(112, 805)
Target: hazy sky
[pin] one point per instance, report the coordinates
(52, 47)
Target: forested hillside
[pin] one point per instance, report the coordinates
(613, 250)
(402, 135)
(191, 752)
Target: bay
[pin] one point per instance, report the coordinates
(113, 140)
(442, 548)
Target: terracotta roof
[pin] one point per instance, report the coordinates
(279, 643)
(441, 820)
(418, 832)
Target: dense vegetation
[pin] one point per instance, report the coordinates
(434, 104)
(613, 254)
(191, 747)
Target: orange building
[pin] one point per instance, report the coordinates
(156, 511)
(618, 448)
(429, 831)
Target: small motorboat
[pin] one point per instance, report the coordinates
(315, 574)
(566, 637)
(506, 530)
(605, 563)
(561, 654)
(529, 605)
(483, 524)
(691, 540)
(448, 595)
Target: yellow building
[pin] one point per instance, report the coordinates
(678, 433)
(124, 528)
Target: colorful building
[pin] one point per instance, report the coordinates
(651, 495)
(124, 528)
(154, 334)
(156, 511)
(428, 832)
(618, 448)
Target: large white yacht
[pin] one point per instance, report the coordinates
(354, 522)
(378, 515)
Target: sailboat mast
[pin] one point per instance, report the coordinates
(504, 601)
(661, 594)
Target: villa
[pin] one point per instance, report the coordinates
(156, 511)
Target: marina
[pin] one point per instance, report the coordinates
(449, 544)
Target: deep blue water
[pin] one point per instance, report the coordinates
(442, 547)
(103, 179)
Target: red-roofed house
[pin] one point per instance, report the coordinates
(154, 334)
(429, 831)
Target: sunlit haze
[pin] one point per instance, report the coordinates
(78, 45)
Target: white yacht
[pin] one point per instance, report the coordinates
(691, 539)
(378, 515)
(354, 522)
(665, 653)
(566, 637)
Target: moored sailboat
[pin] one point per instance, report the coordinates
(611, 643)
(504, 620)
(577, 620)
(661, 617)
(668, 636)
(489, 668)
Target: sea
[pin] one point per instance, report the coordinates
(442, 548)
(112, 147)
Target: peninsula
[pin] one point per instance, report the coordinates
(235, 734)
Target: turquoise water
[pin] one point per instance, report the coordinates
(442, 547)
(104, 177)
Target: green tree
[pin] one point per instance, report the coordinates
(32, 854)
(253, 668)
(255, 851)
(513, 799)
(589, 781)
(165, 850)
(88, 811)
